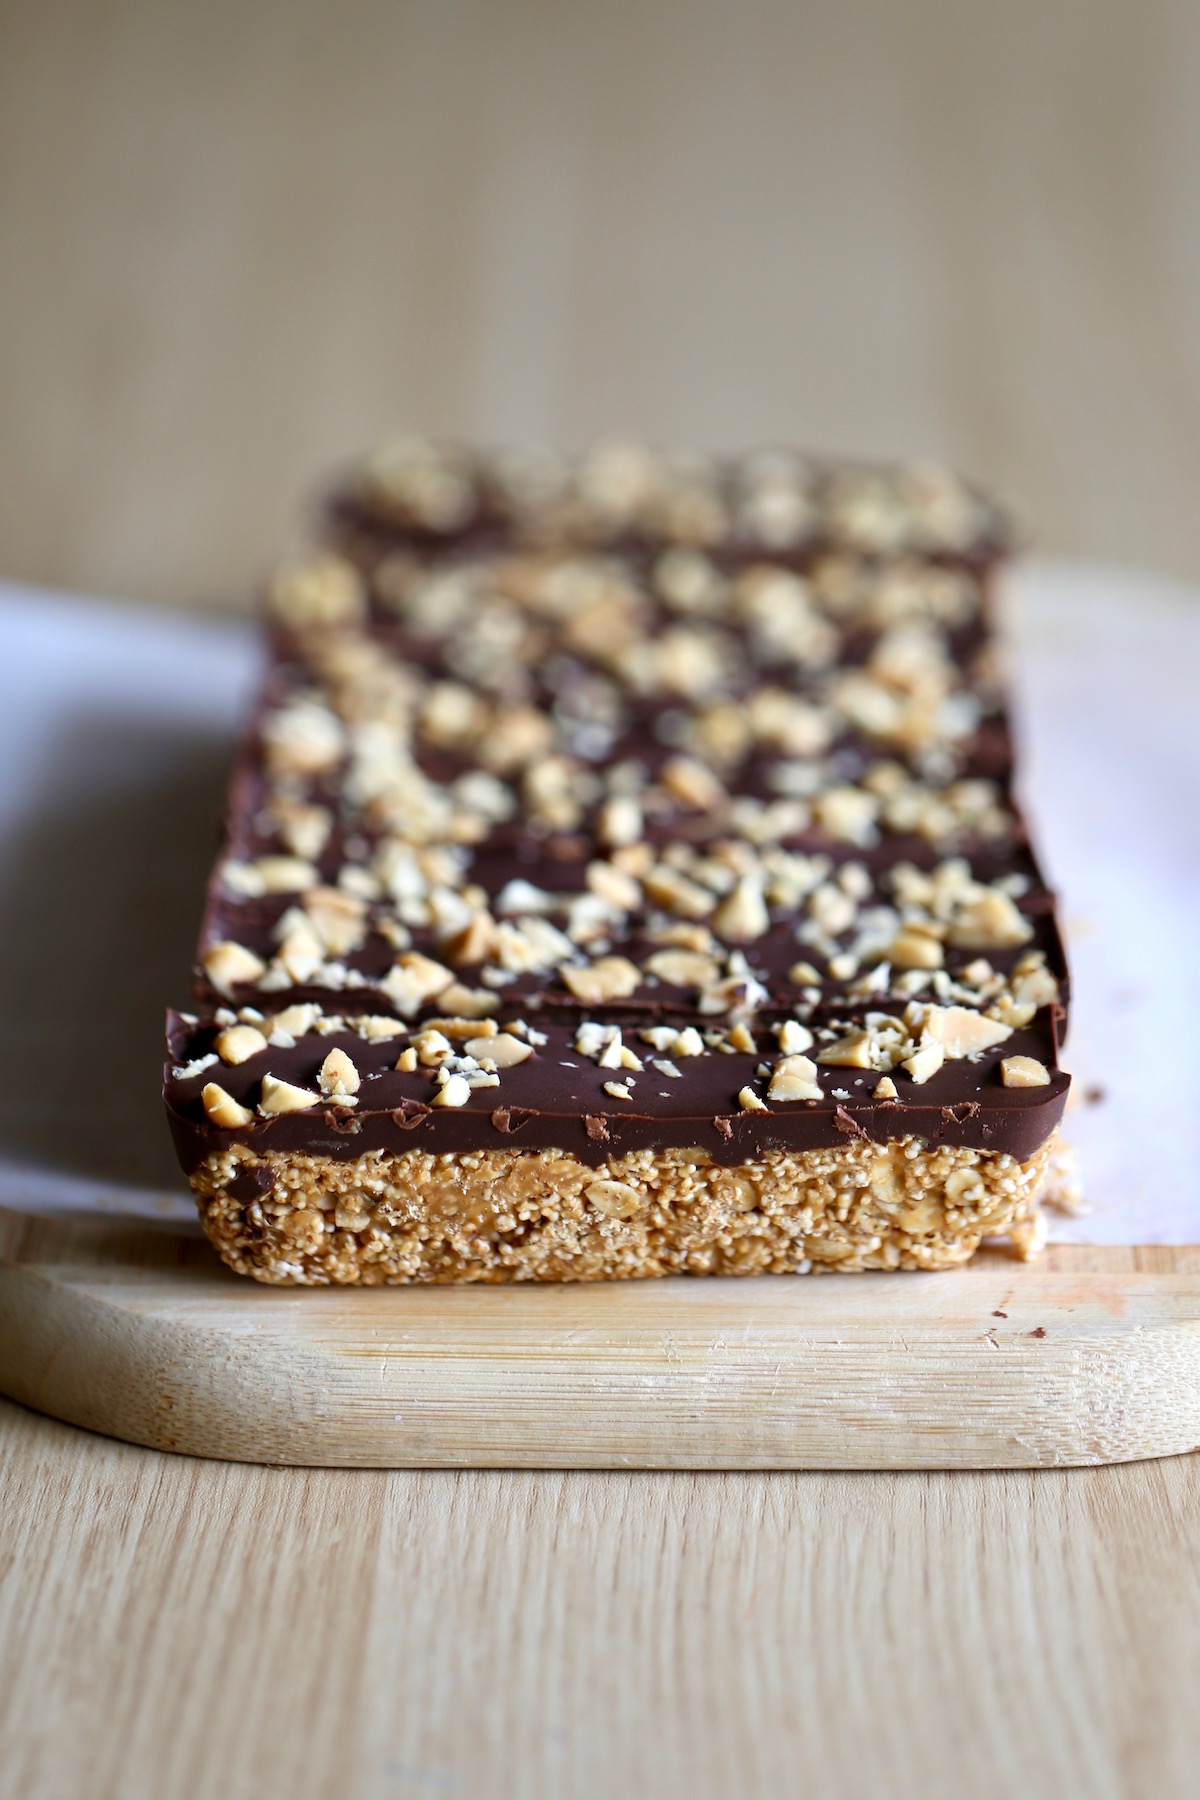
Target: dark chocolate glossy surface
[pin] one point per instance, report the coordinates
(818, 723)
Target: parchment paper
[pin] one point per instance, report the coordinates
(115, 732)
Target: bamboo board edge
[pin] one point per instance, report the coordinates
(1089, 1356)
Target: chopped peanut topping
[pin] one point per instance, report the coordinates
(377, 1028)
(282, 1097)
(960, 1031)
(611, 978)
(475, 942)
(804, 975)
(458, 1030)
(677, 893)
(237, 1043)
(743, 916)
(467, 1003)
(324, 591)
(413, 980)
(925, 1062)
(1024, 1072)
(338, 1078)
(432, 1047)
(338, 918)
(504, 1050)
(620, 822)
(991, 922)
(691, 783)
(683, 968)
(850, 1052)
(614, 885)
(229, 965)
(794, 1078)
(915, 949)
(793, 1037)
(223, 1109)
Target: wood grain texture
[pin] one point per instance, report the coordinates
(240, 242)
(204, 1631)
(143, 1335)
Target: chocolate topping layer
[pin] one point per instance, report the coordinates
(556, 1100)
(644, 751)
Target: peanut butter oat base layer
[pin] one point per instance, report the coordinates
(544, 1215)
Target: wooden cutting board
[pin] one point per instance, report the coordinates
(1088, 1356)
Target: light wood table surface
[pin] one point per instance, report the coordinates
(177, 1628)
(238, 242)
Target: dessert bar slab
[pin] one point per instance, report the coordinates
(622, 877)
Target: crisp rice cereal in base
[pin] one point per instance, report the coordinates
(504, 1215)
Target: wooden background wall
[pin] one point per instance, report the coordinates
(240, 240)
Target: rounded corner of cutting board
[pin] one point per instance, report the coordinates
(1092, 1356)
